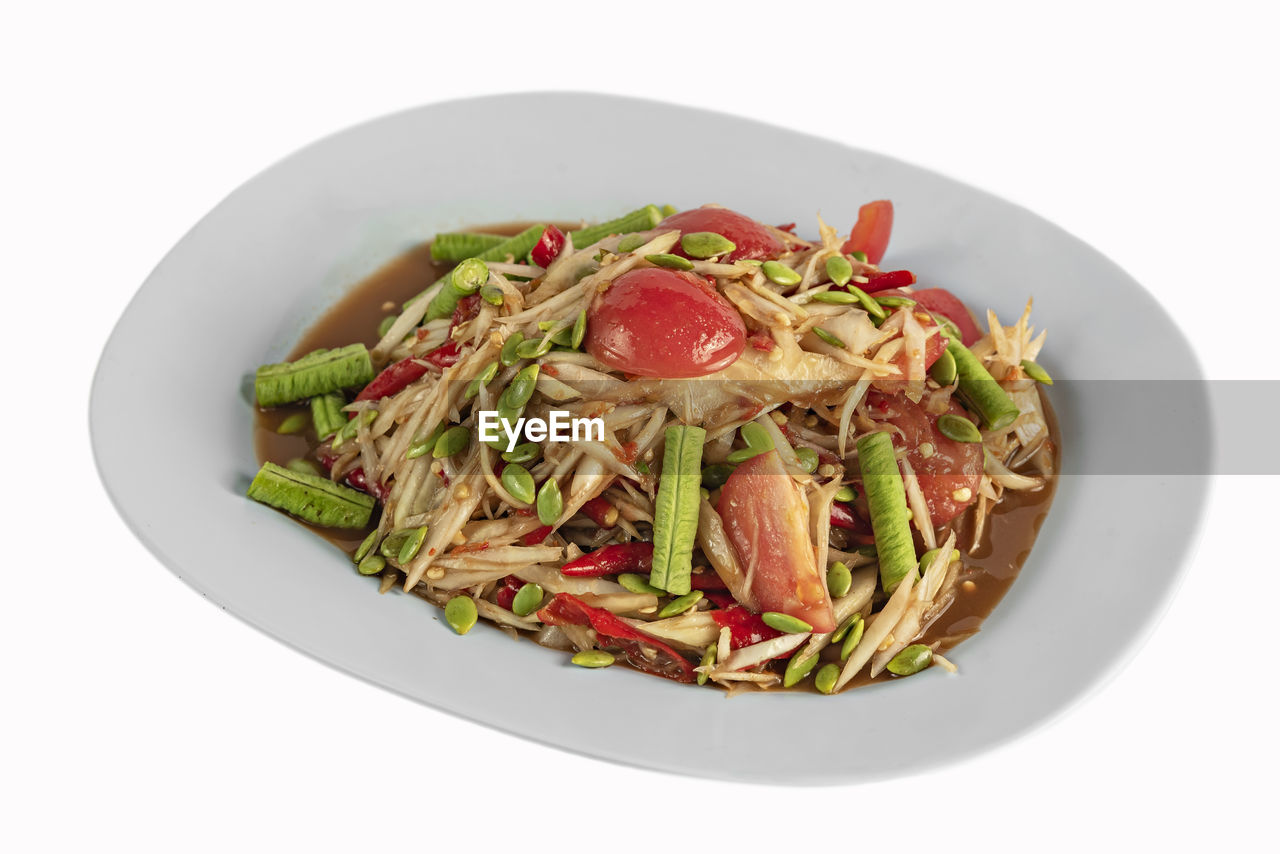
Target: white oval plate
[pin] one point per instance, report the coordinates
(252, 275)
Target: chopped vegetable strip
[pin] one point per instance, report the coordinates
(675, 523)
(318, 372)
(311, 498)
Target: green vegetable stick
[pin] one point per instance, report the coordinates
(327, 414)
(517, 247)
(311, 498)
(675, 519)
(887, 499)
(318, 372)
(454, 246)
(638, 220)
(463, 280)
(978, 389)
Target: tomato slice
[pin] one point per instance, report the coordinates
(949, 471)
(767, 521)
(657, 322)
(753, 239)
(934, 344)
(871, 232)
(945, 303)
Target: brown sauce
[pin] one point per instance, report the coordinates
(989, 570)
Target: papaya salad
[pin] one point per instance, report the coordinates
(688, 442)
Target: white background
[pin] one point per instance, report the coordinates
(137, 716)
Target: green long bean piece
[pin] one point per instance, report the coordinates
(978, 389)
(517, 247)
(318, 372)
(675, 518)
(642, 219)
(327, 415)
(887, 500)
(454, 246)
(311, 498)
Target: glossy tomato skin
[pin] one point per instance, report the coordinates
(768, 524)
(871, 232)
(945, 303)
(946, 468)
(754, 240)
(656, 322)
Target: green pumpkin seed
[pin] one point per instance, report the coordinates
(521, 388)
(706, 244)
(839, 579)
(631, 242)
(948, 327)
(835, 297)
(839, 270)
(295, 423)
(825, 681)
(671, 262)
(422, 446)
(509, 356)
(808, 458)
(534, 348)
(911, 660)
(451, 441)
(1036, 372)
(785, 623)
(957, 428)
(895, 302)
(845, 494)
(384, 325)
(869, 305)
(302, 466)
(412, 543)
(525, 452)
(492, 294)
(527, 600)
(680, 604)
(715, 475)
(486, 376)
(756, 436)
(593, 658)
(634, 583)
(460, 613)
(798, 668)
(668, 210)
(371, 565)
(860, 257)
(943, 370)
(780, 274)
(743, 454)
(579, 330)
(390, 547)
(828, 337)
(550, 502)
(853, 637)
(517, 481)
(708, 659)
(843, 629)
(365, 547)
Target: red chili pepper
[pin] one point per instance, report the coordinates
(507, 590)
(745, 627)
(886, 280)
(537, 535)
(706, 581)
(355, 478)
(790, 228)
(393, 379)
(601, 511)
(548, 246)
(467, 308)
(842, 516)
(610, 560)
(444, 356)
(761, 341)
(641, 651)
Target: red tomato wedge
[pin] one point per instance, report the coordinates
(945, 303)
(753, 239)
(656, 322)
(768, 523)
(871, 232)
(934, 344)
(949, 471)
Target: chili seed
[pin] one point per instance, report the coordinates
(671, 262)
(517, 481)
(527, 600)
(825, 681)
(593, 658)
(780, 274)
(785, 623)
(957, 428)
(911, 660)
(706, 244)
(680, 604)
(460, 613)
